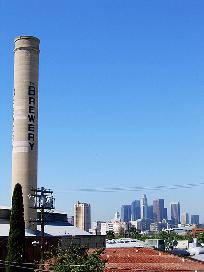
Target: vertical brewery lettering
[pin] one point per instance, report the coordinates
(31, 115)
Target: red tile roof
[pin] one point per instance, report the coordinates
(146, 259)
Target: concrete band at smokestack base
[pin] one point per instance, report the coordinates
(25, 121)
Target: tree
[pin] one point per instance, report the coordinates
(16, 240)
(77, 259)
(134, 233)
(201, 238)
(110, 235)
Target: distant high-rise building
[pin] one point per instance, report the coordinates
(82, 216)
(184, 218)
(165, 216)
(117, 216)
(143, 206)
(125, 213)
(158, 210)
(175, 212)
(195, 219)
(150, 212)
(135, 210)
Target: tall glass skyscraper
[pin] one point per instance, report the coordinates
(125, 213)
(175, 212)
(184, 218)
(158, 209)
(150, 212)
(143, 206)
(135, 210)
(195, 219)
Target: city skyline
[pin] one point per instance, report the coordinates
(160, 211)
(120, 100)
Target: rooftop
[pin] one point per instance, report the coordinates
(146, 259)
(50, 230)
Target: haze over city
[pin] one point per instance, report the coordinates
(120, 100)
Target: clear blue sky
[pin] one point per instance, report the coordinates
(121, 98)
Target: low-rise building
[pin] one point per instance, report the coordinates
(197, 231)
(96, 228)
(157, 226)
(181, 230)
(141, 224)
(117, 227)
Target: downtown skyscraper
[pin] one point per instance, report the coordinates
(175, 212)
(158, 210)
(184, 218)
(195, 219)
(125, 213)
(135, 210)
(143, 207)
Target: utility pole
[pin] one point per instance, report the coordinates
(43, 200)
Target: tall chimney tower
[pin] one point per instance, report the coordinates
(25, 121)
